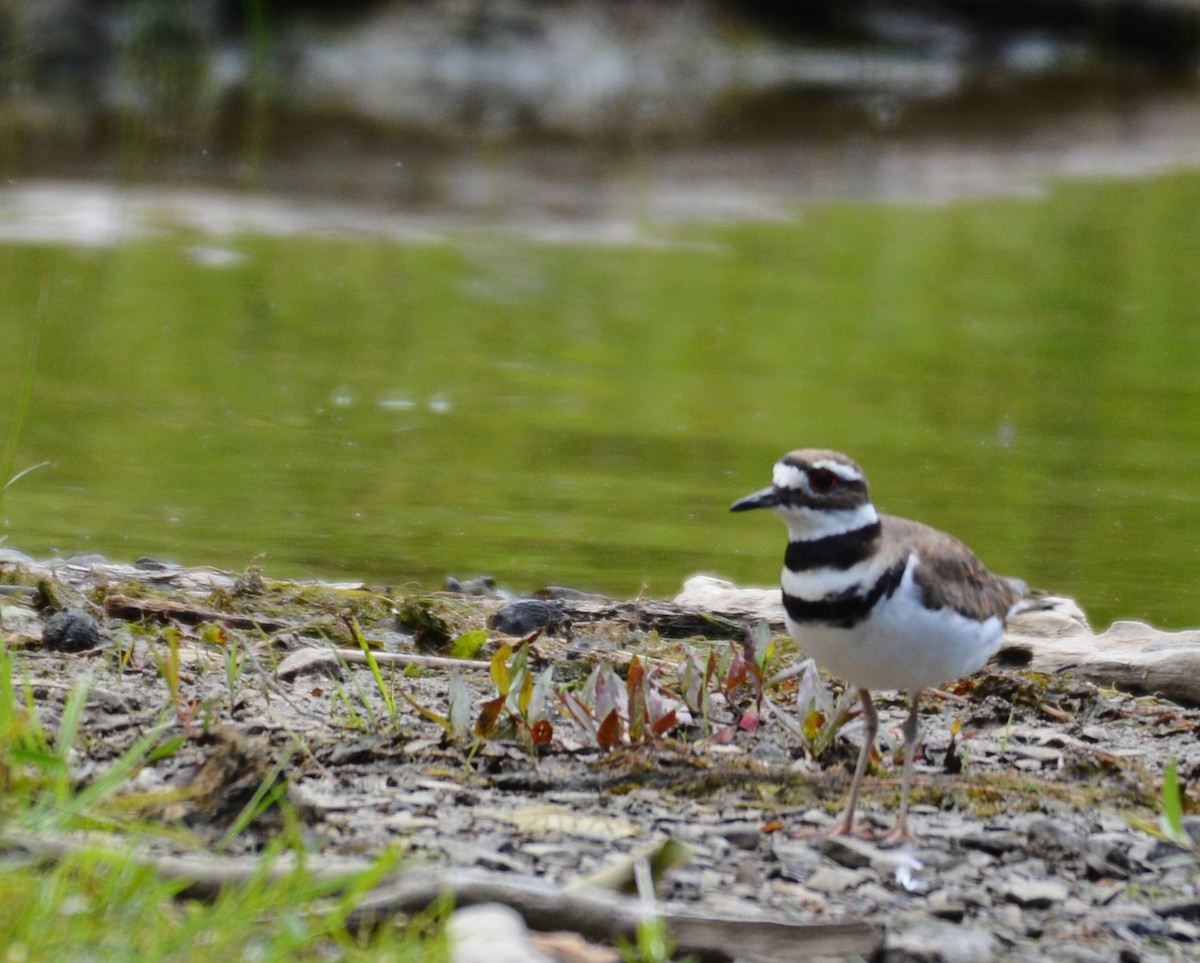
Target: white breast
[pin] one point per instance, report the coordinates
(902, 644)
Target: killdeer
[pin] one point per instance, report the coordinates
(882, 602)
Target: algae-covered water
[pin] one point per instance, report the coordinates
(1022, 372)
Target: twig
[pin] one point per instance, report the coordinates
(358, 657)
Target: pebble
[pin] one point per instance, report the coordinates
(1035, 893)
(796, 860)
(310, 662)
(940, 942)
(834, 879)
(848, 851)
(1055, 834)
(996, 842)
(491, 933)
(741, 835)
(16, 620)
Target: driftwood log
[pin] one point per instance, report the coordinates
(1050, 635)
(545, 905)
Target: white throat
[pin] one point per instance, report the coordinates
(809, 524)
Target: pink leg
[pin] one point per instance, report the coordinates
(845, 826)
(900, 832)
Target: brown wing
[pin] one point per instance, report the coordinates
(950, 575)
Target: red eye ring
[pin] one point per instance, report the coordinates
(822, 480)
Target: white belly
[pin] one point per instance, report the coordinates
(902, 645)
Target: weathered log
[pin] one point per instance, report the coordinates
(544, 904)
(1048, 635)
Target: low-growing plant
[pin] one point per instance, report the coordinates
(614, 711)
(521, 707)
(39, 791)
(386, 692)
(818, 719)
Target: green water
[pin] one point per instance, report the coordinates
(1023, 373)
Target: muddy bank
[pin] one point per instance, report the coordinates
(1037, 802)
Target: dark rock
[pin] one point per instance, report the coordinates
(71, 631)
(1055, 834)
(1107, 855)
(1183, 908)
(848, 852)
(526, 616)
(479, 585)
(741, 835)
(997, 843)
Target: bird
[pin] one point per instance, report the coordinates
(881, 602)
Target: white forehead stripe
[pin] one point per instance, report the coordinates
(841, 469)
(787, 476)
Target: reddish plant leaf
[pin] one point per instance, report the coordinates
(578, 711)
(723, 737)
(609, 733)
(664, 723)
(541, 732)
(610, 691)
(736, 674)
(486, 723)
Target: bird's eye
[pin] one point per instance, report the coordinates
(822, 480)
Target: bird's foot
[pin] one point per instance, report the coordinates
(840, 828)
(898, 835)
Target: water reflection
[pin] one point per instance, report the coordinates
(1021, 372)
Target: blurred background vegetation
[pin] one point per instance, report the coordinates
(400, 290)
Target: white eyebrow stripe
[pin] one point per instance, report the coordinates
(843, 471)
(788, 476)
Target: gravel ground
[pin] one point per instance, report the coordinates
(1037, 803)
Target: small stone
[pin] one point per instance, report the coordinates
(848, 851)
(944, 906)
(741, 835)
(1036, 893)
(71, 631)
(834, 879)
(1042, 755)
(796, 860)
(491, 933)
(995, 842)
(872, 894)
(479, 585)
(1055, 834)
(17, 620)
(1106, 856)
(939, 942)
(310, 662)
(1183, 931)
(1184, 908)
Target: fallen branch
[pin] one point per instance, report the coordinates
(310, 661)
(602, 915)
(544, 904)
(1051, 635)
